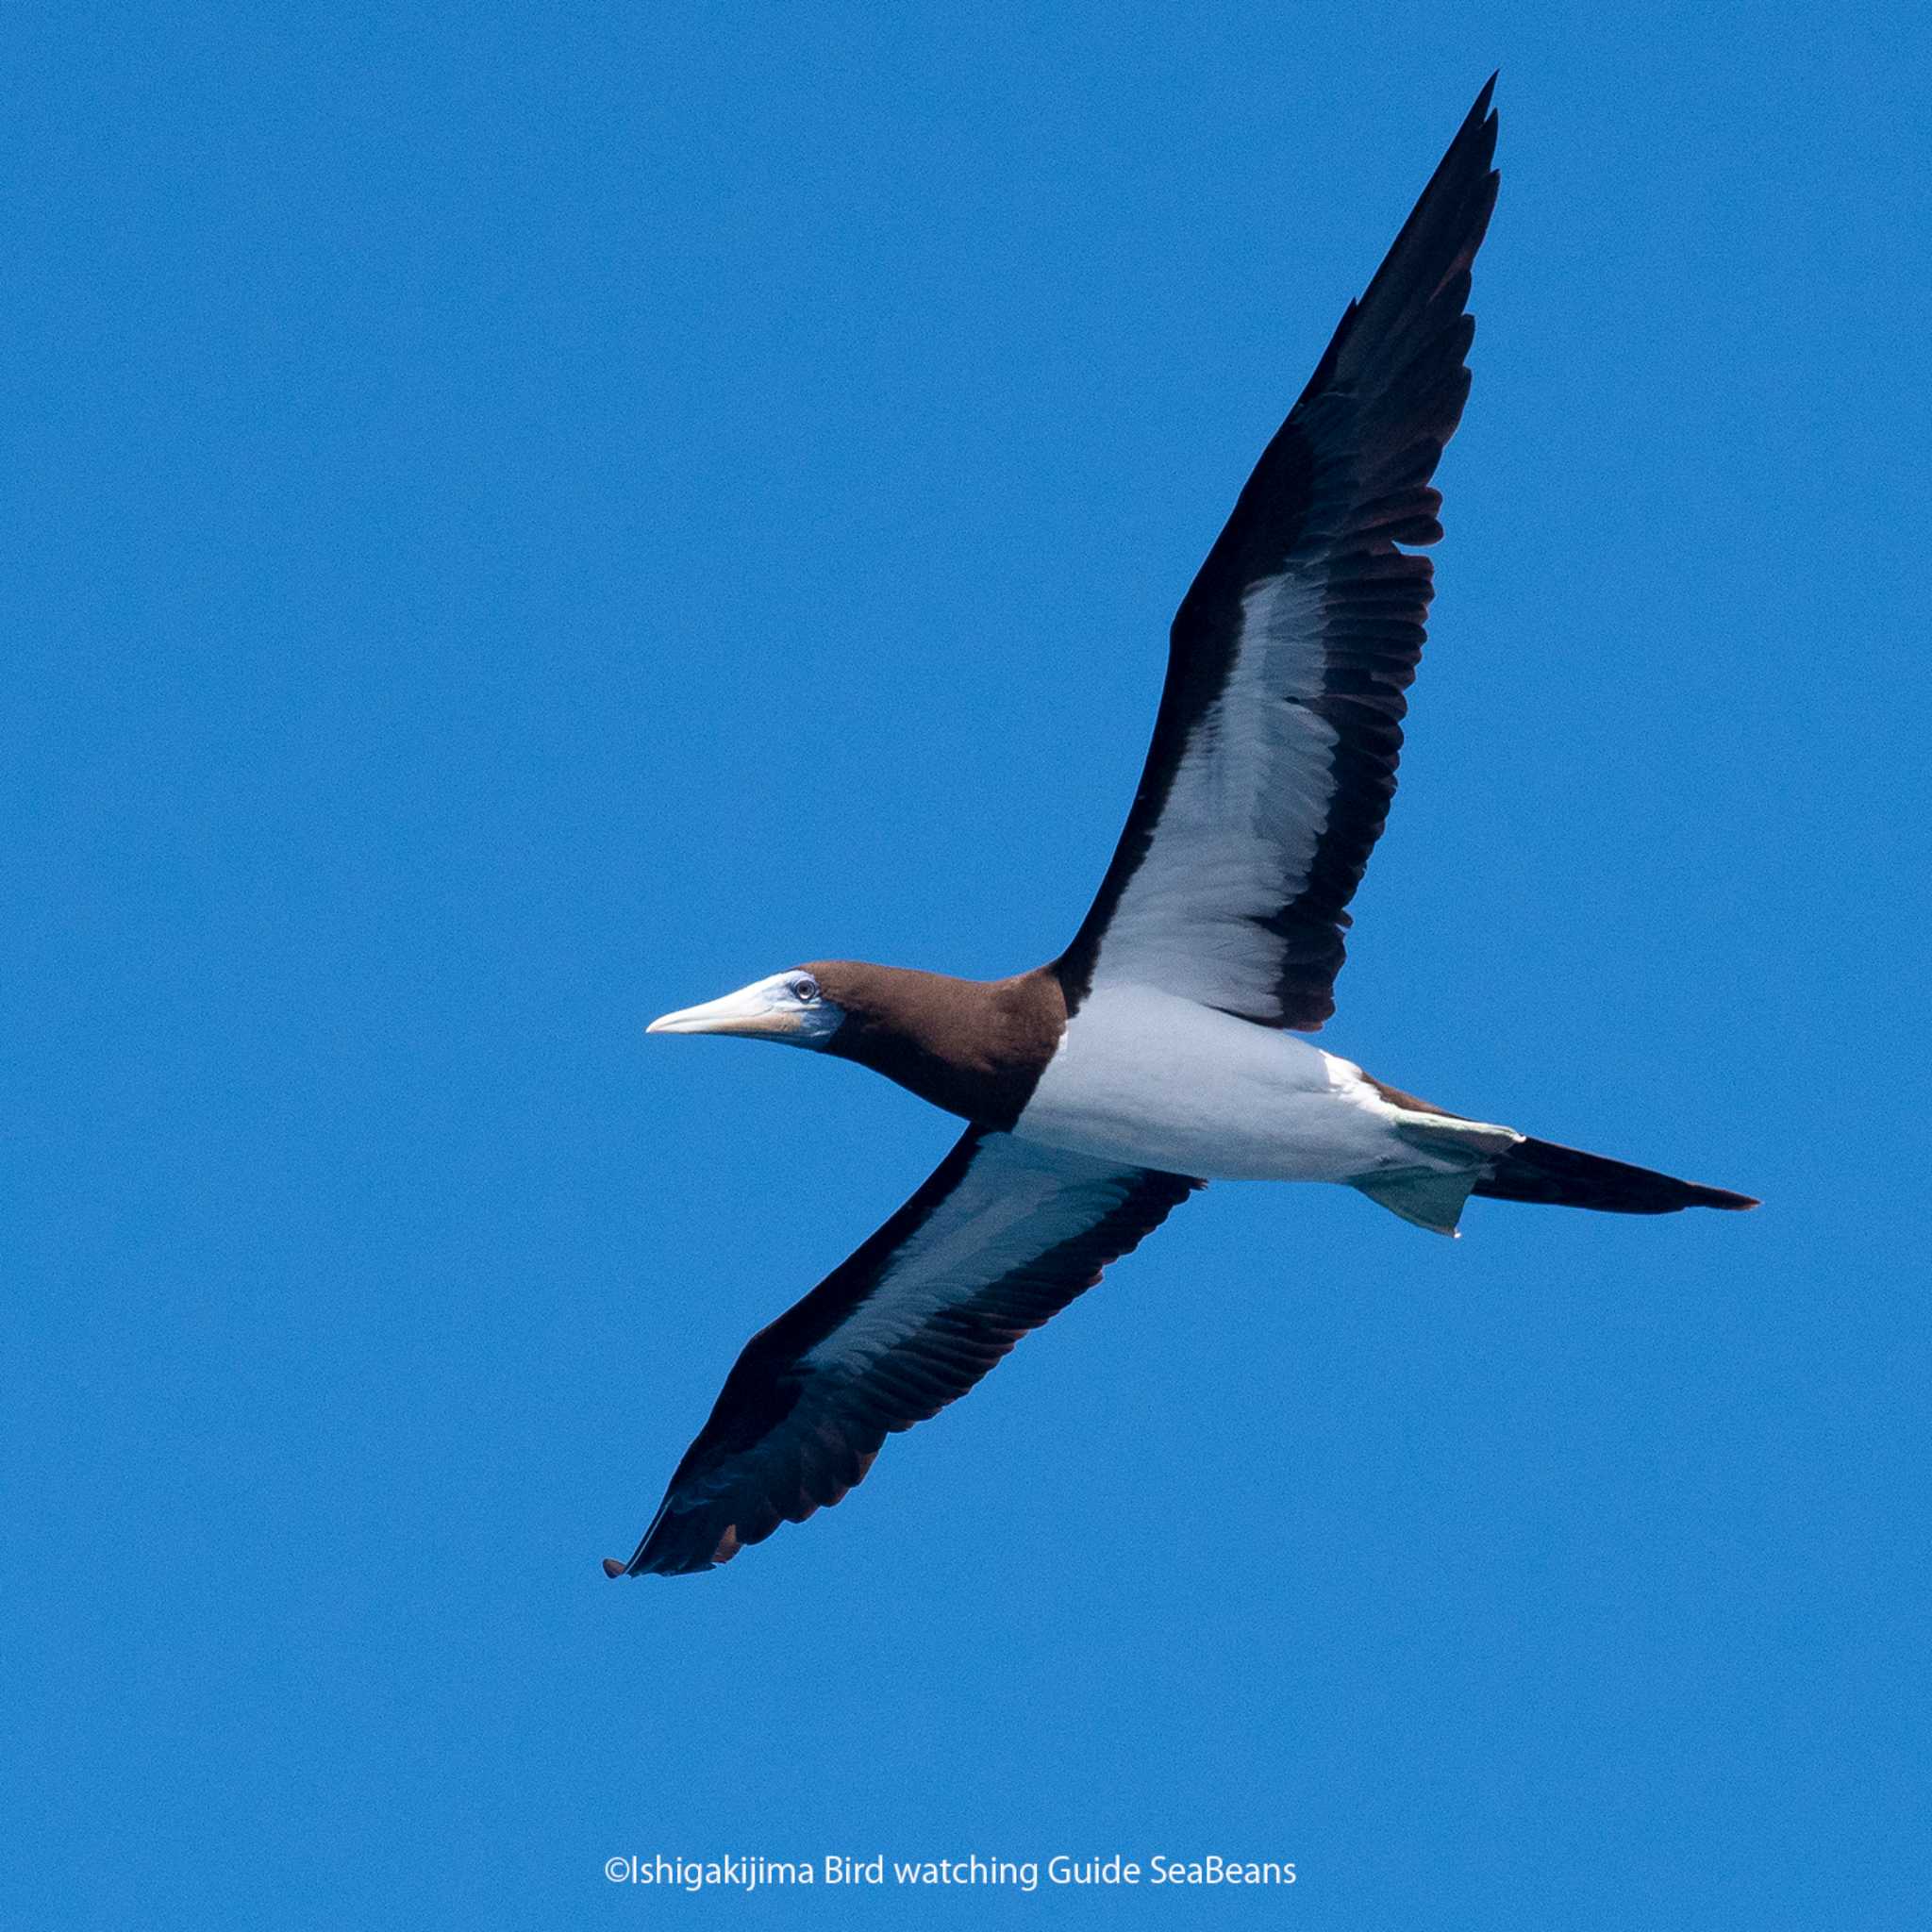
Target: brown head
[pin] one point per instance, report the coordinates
(975, 1047)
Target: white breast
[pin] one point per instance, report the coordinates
(1152, 1078)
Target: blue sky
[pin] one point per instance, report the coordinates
(518, 520)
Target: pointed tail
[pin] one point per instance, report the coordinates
(1567, 1177)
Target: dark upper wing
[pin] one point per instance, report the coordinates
(1273, 755)
(1003, 1235)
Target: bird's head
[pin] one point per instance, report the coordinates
(956, 1043)
(793, 1007)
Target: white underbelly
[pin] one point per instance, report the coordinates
(1160, 1081)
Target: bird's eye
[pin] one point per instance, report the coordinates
(805, 990)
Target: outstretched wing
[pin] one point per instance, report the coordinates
(1002, 1237)
(1274, 755)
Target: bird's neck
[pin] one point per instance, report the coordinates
(975, 1047)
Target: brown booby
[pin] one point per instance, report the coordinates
(1158, 1051)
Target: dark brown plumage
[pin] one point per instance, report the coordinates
(976, 1047)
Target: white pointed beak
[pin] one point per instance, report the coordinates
(750, 1010)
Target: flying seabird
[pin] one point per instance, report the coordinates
(1158, 1051)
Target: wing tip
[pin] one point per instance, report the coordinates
(1724, 1198)
(614, 1568)
(1480, 122)
(1470, 159)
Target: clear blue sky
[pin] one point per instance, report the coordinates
(516, 521)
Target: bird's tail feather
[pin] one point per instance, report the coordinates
(1567, 1177)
